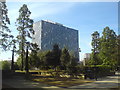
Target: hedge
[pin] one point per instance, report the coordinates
(98, 71)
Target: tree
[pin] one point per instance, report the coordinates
(5, 36)
(96, 46)
(41, 55)
(25, 28)
(19, 62)
(108, 47)
(118, 50)
(72, 66)
(34, 59)
(5, 65)
(56, 53)
(12, 62)
(65, 57)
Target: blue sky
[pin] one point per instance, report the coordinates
(86, 17)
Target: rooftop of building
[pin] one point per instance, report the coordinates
(52, 22)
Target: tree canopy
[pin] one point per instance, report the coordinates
(25, 29)
(105, 48)
(5, 32)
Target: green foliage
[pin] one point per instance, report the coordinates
(41, 55)
(65, 57)
(41, 59)
(105, 48)
(118, 50)
(5, 36)
(48, 59)
(16, 67)
(19, 62)
(71, 64)
(25, 29)
(73, 61)
(108, 51)
(0, 65)
(5, 65)
(103, 70)
(94, 60)
(51, 59)
(56, 53)
(71, 68)
(34, 60)
(93, 71)
(96, 46)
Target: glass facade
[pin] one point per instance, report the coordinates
(48, 33)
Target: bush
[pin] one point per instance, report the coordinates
(97, 71)
(5, 65)
(103, 70)
(16, 67)
(72, 70)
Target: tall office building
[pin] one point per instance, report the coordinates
(48, 33)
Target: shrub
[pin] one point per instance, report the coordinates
(98, 70)
(103, 70)
(5, 65)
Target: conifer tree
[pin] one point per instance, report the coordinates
(25, 29)
(108, 47)
(95, 48)
(65, 58)
(5, 36)
(118, 50)
(56, 55)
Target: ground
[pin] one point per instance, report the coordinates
(110, 82)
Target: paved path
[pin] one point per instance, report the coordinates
(20, 82)
(107, 82)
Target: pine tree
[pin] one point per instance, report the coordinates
(56, 55)
(96, 46)
(34, 60)
(25, 28)
(65, 58)
(5, 36)
(118, 50)
(108, 47)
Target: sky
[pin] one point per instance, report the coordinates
(86, 17)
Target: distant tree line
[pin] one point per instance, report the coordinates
(51, 59)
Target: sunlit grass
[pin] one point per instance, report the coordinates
(55, 81)
(34, 70)
(62, 82)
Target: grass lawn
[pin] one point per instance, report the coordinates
(61, 81)
(31, 71)
(55, 81)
